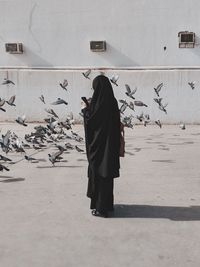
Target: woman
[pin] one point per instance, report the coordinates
(102, 134)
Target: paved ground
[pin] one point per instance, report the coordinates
(45, 218)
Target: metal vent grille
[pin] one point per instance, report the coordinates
(98, 46)
(14, 48)
(186, 39)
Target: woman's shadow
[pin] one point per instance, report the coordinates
(191, 213)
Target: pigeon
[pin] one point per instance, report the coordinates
(59, 101)
(192, 85)
(21, 120)
(69, 146)
(146, 119)
(2, 167)
(87, 74)
(64, 84)
(11, 101)
(127, 121)
(131, 106)
(2, 102)
(4, 158)
(42, 99)
(158, 88)
(163, 108)
(182, 126)
(140, 104)
(28, 158)
(123, 101)
(114, 79)
(123, 108)
(158, 123)
(7, 81)
(55, 156)
(51, 111)
(76, 137)
(5, 142)
(79, 149)
(140, 117)
(158, 101)
(130, 93)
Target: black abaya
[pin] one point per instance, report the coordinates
(102, 133)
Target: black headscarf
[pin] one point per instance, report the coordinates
(102, 131)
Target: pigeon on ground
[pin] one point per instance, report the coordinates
(114, 79)
(87, 74)
(158, 88)
(28, 158)
(21, 120)
(79, 149)
(182, 126)
(7, 81)
(11, 101)
(64, 84)
(140, 104)
(2, 167)
(130, 93)
(42, 99)
(3, 158)
(55, 156)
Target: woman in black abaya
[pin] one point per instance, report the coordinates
(102, 134)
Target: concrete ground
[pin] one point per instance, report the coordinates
(46, 222)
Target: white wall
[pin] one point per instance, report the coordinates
(56, 33)
(183, 102)
(56, 36)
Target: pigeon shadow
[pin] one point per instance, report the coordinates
(12, 180)
(174, 213)
(5, 176)
(58, 166)
(164, 161)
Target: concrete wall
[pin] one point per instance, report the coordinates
(183, 102)
(56, 36)
(57, 33)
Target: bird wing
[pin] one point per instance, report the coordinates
(65, 83)
(128, 89)
(2, 102)
(134, 91)
(11, 100)
(87, 73)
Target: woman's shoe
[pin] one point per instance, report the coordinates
(99, 214)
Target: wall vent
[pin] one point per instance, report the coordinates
(14, 48)
(98, 46)
(186, 39)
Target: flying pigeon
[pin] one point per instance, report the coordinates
(87, 74)
(130, 93)
(140, 104)
(158, 88)
(64, 84)
(42, 99)
(114, 79)
(11, 101)
(59, 101)
(21, 120)
(7, 81)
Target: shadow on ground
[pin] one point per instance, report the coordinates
(191, 213)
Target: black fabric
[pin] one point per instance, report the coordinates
(102, 131)
(101, 193)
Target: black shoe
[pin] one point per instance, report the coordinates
(99, 214)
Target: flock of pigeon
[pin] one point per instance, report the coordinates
(56, 130)
(52, 133)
